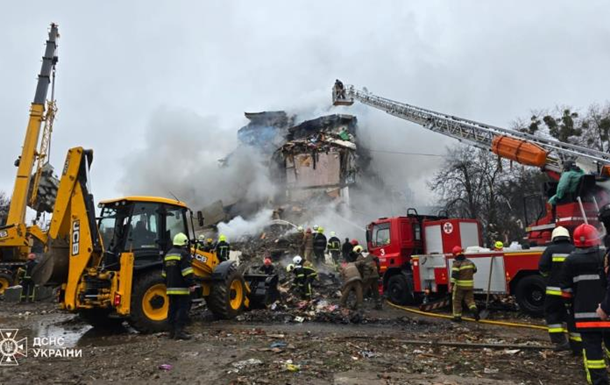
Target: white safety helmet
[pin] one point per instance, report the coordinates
(332, 234)
(559, 232)
(297, 260)
(289, 268)
(315, 227)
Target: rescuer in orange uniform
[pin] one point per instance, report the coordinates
(462, 284)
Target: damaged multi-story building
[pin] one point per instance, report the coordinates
(314, 162)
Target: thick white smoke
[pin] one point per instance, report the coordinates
(180, 155)
(239, 227)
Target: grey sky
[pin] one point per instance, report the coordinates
(121, 62)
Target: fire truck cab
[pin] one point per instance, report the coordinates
(415, 259)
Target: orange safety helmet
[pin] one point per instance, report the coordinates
(586, 235)
(354, 242)
(457, 250)
(267, 262)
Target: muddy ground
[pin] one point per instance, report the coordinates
(261, 349)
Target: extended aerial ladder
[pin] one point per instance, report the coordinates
(547, 154)
(527, 149)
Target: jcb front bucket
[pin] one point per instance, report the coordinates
(263, 289)
(53, 269)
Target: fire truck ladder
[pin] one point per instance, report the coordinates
(475, 133)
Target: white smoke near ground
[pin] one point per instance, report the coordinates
(239, 227)
(180, 157)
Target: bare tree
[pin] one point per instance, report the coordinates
(5, 202)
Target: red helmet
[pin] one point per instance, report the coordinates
(267, 262)
(457, 250)
(586, 236)
(354, 242)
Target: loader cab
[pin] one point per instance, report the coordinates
(142, 225)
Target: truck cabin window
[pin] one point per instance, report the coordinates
(381, 235)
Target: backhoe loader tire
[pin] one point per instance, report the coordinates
(6, 281)
(149, 303)
(99, 318)
(226, 299)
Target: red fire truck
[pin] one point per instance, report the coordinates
(415, 257)
(413, 249)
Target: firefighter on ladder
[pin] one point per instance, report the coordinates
(462, 284)
(555, 312)
(583, 286)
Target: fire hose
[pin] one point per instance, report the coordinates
(489, 322)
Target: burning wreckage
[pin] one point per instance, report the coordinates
(313, 164)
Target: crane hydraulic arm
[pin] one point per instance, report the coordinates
(545, 153)
(14, 243)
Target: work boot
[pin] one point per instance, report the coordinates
(562, 347)
(181, 335)
(475, 312)
(456, 319)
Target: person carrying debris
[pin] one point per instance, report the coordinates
(267, 267)
(462, 284)
(346, 250)
(334, 246)
(369, 268)
(319, 246)
(303, 277)
(308, 245)
(178, 274)
(555, 312)
(583, 286)
(352, 281)
(28, 288)
(222, 248)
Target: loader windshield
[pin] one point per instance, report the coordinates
(112, 224)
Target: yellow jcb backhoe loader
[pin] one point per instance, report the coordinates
(108, 269)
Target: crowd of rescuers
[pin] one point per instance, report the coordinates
(577, 302)
(359, 270)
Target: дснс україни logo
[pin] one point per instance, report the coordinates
(11, 348)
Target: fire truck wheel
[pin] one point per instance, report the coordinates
(530, 294)
(400, 289)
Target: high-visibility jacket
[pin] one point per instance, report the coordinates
(178, 271)
(319, 241)
(582, 286)
(304, 275)
(25, 272)
(222, 251)
(551, 264)
(334, 244)
(462, 273)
